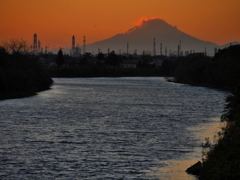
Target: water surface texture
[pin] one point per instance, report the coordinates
(106, 128)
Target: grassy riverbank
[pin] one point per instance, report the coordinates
(21, 76)
(222, 71)
(221, 161)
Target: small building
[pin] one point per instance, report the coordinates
(130, 64)
(42, 61)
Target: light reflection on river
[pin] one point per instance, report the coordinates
(107, 128)
(175, 169)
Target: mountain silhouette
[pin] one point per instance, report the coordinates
(229, 44)
(141, 38)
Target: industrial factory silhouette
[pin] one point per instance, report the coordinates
(155, 37)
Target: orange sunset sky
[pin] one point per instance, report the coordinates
(55, 21)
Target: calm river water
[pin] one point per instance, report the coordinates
(107, 128)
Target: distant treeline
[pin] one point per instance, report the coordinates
(222, 71)
(21, 75)
(109, 66)
(97, 71)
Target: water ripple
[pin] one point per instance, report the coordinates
(104, 128)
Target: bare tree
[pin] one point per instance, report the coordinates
(16, 46)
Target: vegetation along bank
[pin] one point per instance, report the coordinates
(24, 75)
(21, 75)
(221, 160)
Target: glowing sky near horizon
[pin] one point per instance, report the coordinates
(55, 21)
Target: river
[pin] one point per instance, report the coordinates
(108, 128)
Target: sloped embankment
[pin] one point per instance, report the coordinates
(21, 76)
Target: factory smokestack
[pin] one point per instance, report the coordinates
(73, 45)
(84, 45)
(35, 43)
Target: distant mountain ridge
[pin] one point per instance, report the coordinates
(228, 44)
(141, 38)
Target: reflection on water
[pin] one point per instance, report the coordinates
(107, 128)
(175, 169)
(208, 130)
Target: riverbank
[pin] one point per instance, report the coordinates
(124, 115)
(220, 71)
(22, 76)
(96, 71)
(221, 159)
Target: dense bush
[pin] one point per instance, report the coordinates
(222, 160)
(221, 71)
(190, 69)
(224, 69)
(20, 76)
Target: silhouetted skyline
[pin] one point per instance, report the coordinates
(56, 21)
(149, 35)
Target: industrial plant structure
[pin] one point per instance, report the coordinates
(36, 48)
(76, 50)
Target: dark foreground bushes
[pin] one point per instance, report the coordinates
(21, 76)
(222, 71)
(222, 160)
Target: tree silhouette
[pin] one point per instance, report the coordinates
(3, 51)
(15, 46)
(222, 159)
(113, 60)
(84, 60)
(60, 59)
(100, 56)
